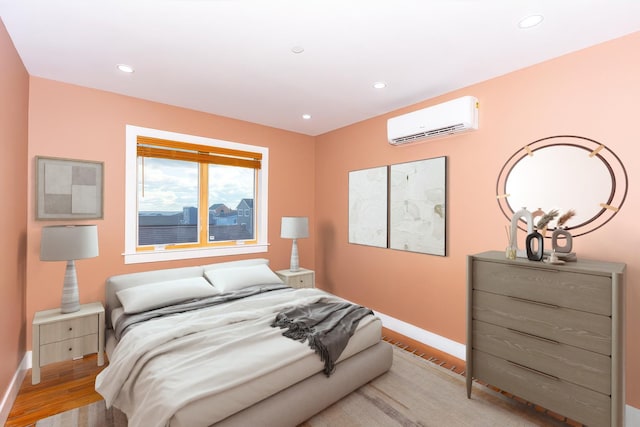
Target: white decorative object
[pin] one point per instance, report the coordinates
(69, 243)
(522, 213)
(294, 227)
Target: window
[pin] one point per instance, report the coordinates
(184, 194)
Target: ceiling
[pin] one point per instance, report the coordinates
(234, 57)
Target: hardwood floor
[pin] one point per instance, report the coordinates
(68, 385)
(63, 386)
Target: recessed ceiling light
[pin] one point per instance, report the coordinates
(530, 21)
(297, 49)
(379, 85)
(306, 116)
(125, 68)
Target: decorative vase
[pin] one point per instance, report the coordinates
(560, 234)
(535, 246)
(521, 214)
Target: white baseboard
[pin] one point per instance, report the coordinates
(429, 338)
(632, 415)
(14, 387)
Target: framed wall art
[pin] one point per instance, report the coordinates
(368, 206)
(68, 189)
(418, 206)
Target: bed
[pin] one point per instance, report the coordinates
(224, 364)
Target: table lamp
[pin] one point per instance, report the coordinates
(294, 227)
(69, 243)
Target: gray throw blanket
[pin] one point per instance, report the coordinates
(327, 326)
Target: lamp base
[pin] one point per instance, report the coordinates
(70, 295)
(295, 262)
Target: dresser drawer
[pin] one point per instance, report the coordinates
(578, 403)
(577, 328)
(68, 349)
(67, 329)
(572, 364)
(579, 291)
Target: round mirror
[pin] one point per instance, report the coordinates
(564, 173)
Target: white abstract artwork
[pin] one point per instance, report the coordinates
(368, 207)
(417, 206)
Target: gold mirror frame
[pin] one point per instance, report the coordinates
(563, 181)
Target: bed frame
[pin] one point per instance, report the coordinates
(290, 406)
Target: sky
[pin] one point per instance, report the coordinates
(170, 185)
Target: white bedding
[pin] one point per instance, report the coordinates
(166, 364)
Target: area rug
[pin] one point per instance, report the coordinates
(414, 393)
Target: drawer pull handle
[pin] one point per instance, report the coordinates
(70, 348)
(550, 341)
(70, 329)
(544, 304)
(534, 371)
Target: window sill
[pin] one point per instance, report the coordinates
(177, 254)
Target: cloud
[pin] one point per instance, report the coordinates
(170, 185)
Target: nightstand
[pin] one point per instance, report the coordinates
(58, 336)
(302, 278)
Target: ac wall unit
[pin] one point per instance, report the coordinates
(455, 116)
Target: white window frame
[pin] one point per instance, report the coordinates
(132, 256)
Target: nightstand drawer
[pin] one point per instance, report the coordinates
(67, 329)
(304, 281)
(68, 349)
(302, 278)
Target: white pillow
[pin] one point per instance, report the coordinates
(231, 279)
(160, 294)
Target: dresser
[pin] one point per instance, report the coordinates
(58, 336)
(302, 278)
(550, 334)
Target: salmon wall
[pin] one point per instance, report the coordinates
(592, 93)
(14, 90)
(78, 123)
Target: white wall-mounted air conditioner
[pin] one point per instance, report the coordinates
(455, 116)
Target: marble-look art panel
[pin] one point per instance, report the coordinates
(368, 207)
(417, 209)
